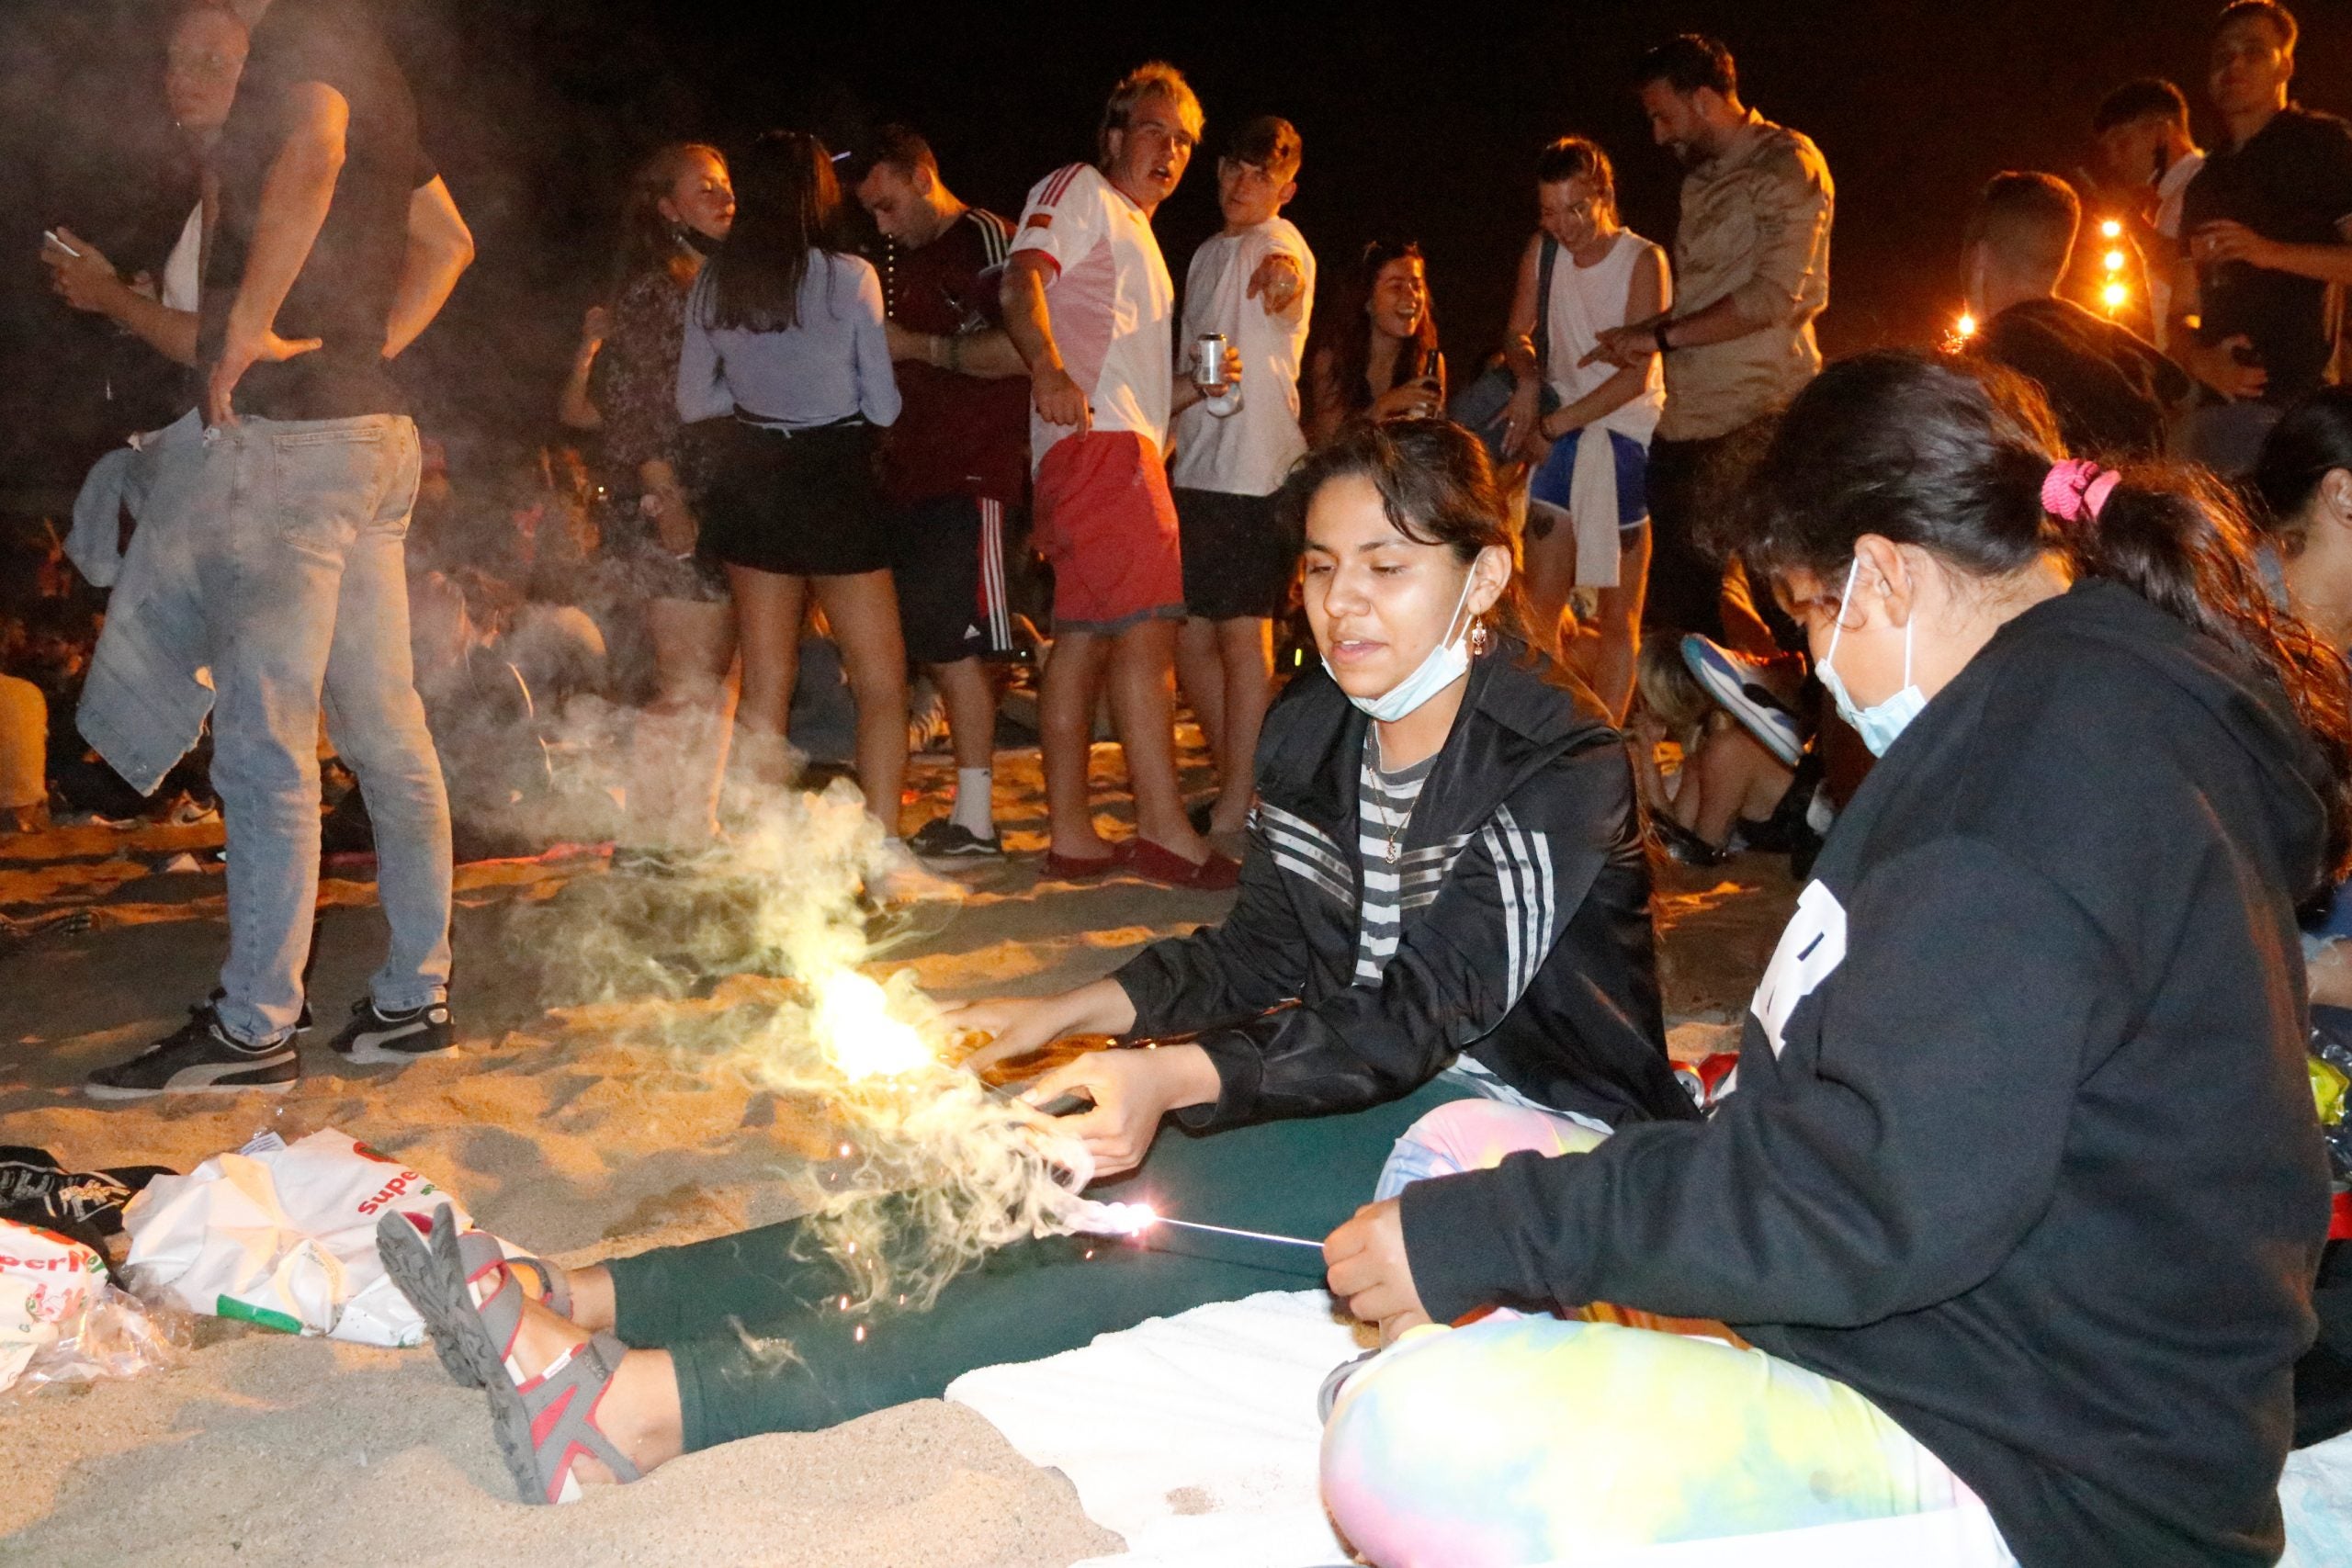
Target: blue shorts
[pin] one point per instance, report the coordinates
(1551, 482)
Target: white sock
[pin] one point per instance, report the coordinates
(974, 810)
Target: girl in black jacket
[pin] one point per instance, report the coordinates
(2019, 1194)
(1445, 900)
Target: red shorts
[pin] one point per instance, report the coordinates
(1104, 518)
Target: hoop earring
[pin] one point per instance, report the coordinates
(1481, 639)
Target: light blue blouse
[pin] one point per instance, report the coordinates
(835, 363)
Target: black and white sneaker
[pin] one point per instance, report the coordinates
(944, 838)
(1734, 682)
(375, 1036)
(199, 1057)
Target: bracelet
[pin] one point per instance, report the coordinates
(1657, 336)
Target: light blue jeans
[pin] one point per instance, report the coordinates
(298, 527)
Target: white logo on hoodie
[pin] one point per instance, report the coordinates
(1811, 948)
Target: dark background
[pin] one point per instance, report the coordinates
(1418, 121)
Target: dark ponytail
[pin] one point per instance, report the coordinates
(1952, 457)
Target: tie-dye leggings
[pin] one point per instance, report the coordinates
(1535, 1439)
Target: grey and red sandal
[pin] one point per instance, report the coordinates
(545, 1423)
(480, 1261)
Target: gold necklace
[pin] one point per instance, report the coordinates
(1396, 825)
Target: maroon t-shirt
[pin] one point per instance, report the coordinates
(957, 434)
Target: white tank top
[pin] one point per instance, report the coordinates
(1586, 301)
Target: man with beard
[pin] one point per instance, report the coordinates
(1090, 305)
(1751, 271)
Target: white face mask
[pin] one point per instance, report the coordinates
(1442, 667)
(1879, 724)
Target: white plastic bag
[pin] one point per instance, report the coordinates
(62, 1321)
(283, 1235)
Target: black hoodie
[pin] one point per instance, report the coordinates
(2022, 1146)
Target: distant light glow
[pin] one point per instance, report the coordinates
(1966, 327)
(2114, 261)
(2110, 230)
(2113, 296)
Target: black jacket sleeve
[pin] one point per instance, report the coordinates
(1895, 1173)
(1252, 960)
(1459, 968)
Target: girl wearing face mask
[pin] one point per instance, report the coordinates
(681, 205)
(2014, 1212)
(1444, 901)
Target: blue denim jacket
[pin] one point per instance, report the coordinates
(148, 691)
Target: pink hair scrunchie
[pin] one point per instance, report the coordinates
(2074, 489)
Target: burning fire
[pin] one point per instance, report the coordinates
(854, 1023)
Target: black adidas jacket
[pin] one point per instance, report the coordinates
(2022, 1146)
(1526, 926)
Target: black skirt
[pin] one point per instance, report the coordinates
(800, 502)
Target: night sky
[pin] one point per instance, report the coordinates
(1418, 121)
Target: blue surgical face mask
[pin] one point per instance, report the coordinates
(1442, 667)
(1880, 723)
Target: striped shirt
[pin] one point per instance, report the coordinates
(1383, 812)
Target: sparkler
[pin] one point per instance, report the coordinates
(1133, 1219)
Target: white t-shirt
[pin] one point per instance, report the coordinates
(181, 281)
(1112, 302)
(1587, 301)
(1248, 452)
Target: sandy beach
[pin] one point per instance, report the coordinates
(562, 1135)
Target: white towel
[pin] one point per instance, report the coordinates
(1592, 508)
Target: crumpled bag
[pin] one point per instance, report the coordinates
(62, 1320)
(283, 1235)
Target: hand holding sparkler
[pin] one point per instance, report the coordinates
(1132, 1089)
(1019, 1026)
(1369, 1269)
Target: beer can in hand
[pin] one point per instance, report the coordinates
(1208, 368)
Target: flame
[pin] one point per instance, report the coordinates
(1966, 327)
(854, 1023)
(1098, 1218)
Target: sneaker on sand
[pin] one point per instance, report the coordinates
(943, 839)
(375, 1036)
(1733, 682)
(199, 1057)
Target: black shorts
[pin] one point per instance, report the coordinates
(800, 503)
(1238, 562)
(953, 557)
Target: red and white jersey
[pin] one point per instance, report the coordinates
(1112, 302)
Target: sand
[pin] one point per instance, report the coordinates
(263, 1449)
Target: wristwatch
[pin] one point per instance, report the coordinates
(1657, 336)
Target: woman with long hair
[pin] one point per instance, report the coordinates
(1377, 353)
(680, 208)
(2009, 1229)
(1444, 901)
(785, 343)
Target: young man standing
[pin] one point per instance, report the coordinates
(955, 466)
(2266, 219)
(1090, 307)
(2145, 149)
(299, 514)
(2113, 393)
(1254, 284)
(1751, 271)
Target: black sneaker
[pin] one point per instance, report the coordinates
(945, 839)
(199, 1057)
(374, 1036)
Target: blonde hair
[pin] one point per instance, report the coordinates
(1668, 690)
(1152, 79)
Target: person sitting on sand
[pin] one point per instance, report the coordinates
(2018, 1199)
(1446, 875)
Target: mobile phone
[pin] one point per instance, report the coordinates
(50, 235)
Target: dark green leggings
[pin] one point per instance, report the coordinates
(1029, 1299)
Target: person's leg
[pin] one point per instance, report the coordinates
(863, 609)
(278, 508)
(1537, 1440)
(678, 751)
(1619, 624)
(970, 696)
(1200, 676)
(1246, 650)
(378, 720)
(1141, 706)
(725, 1310)
(1548, 549)
(1065, 698)
(768, 607)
